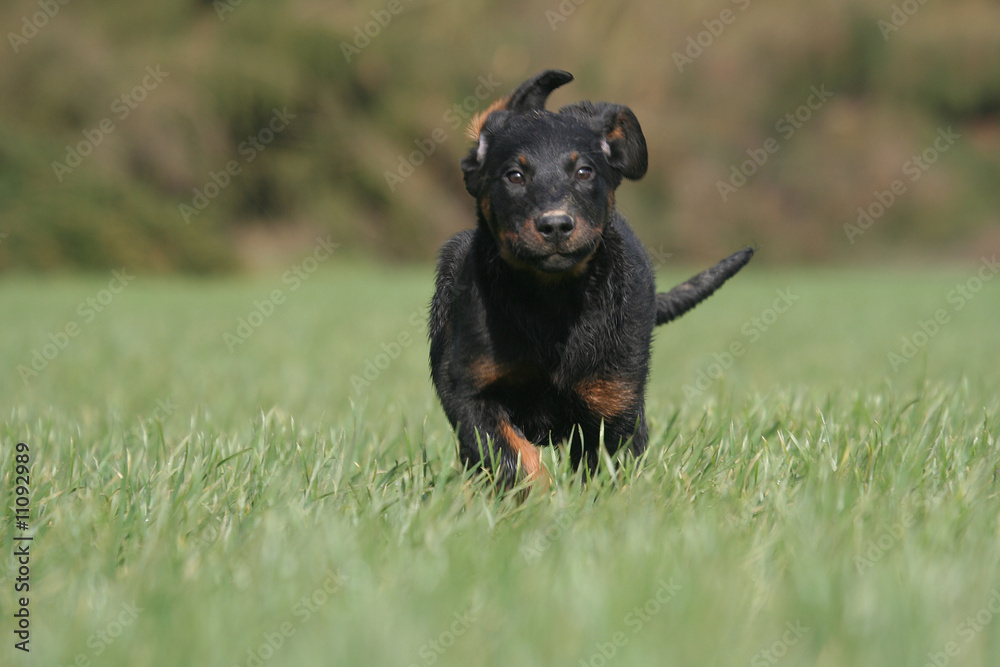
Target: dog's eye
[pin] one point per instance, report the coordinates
(515, 177)
(584, 173)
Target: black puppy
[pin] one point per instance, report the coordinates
(543, 315)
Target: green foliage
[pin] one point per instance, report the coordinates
(89, 222)
(200, 504)
(368, 88)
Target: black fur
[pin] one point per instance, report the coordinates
(543, 315)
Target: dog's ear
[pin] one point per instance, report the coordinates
(621, 137)
(472, 164)
(529, 96)
(532, 93)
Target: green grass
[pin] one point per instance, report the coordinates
(237, 498)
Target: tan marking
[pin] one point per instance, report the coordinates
(506, 239)
(606, 398)
(574, 156)
(583, 232)
(531, 234)
(616, 134)
(476, 124)
(485, 371)
(486, 207)
(581, 267)
(522, 160)
(531, 458)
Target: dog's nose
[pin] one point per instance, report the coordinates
(554, 227)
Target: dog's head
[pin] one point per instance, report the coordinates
(545, 181)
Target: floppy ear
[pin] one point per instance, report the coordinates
(529, 96)
(621, 137)
(473, 162)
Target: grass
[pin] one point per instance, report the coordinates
(802, 503)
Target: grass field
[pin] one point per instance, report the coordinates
(807, 499)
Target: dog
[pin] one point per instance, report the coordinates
(542, 318)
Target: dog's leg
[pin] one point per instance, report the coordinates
(611, 415)
(613, 434)
(502, 448)
(488, 439)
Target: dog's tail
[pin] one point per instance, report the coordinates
(671, 305)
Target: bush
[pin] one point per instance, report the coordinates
(364, 93)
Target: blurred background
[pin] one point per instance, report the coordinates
(219, 136)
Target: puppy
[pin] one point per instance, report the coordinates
(542, 316)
